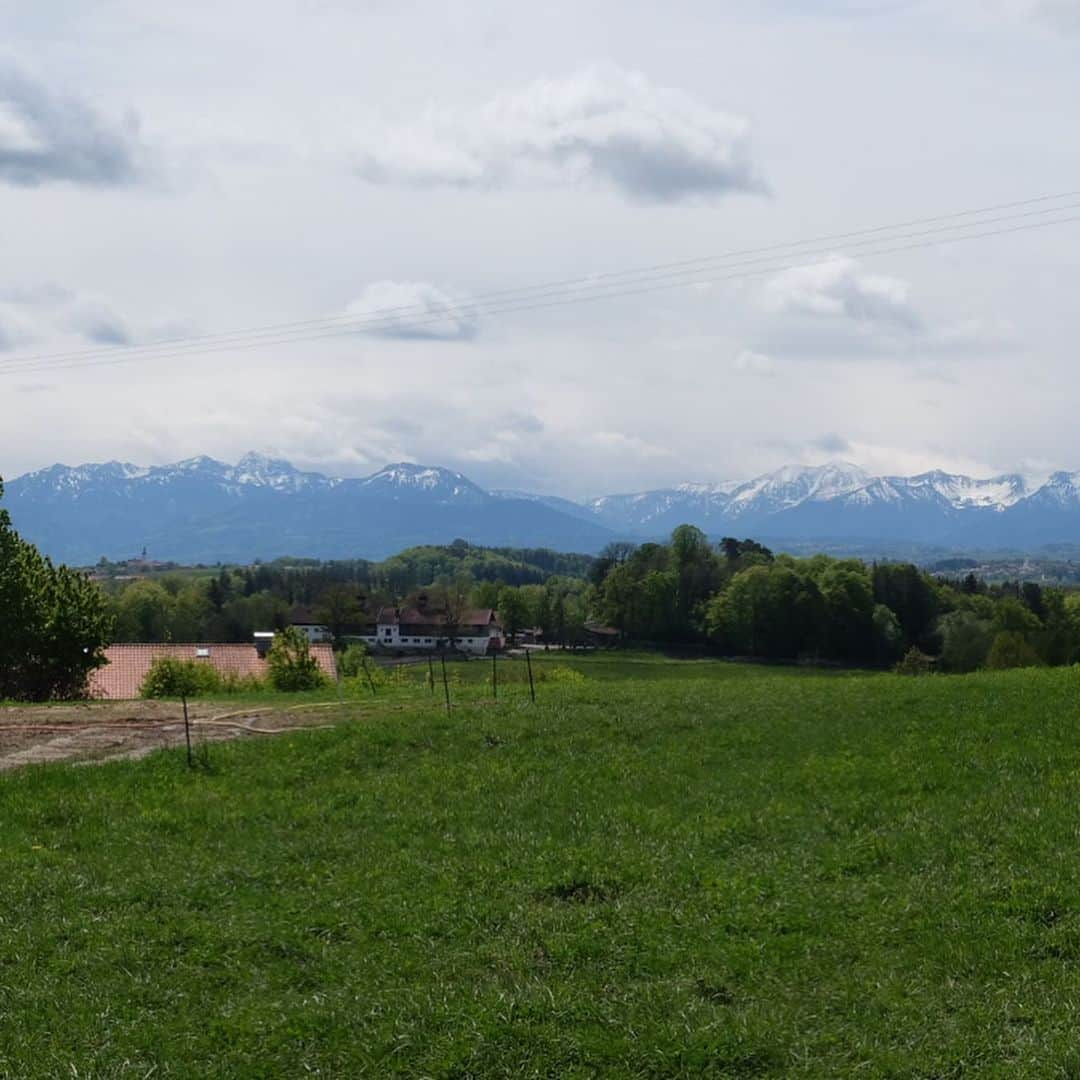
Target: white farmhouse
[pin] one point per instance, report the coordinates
(408, 629)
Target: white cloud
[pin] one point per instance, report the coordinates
(46, 137)
(841, 289)
(602, 124)
(412, 310)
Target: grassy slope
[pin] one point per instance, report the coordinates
(674, 869)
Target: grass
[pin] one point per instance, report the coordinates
(669, 869)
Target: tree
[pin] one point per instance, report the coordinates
(888, 636)
(697, 576)
(291, 665)
(144, 612)
(513, 612)
(337, 609)
(906, 591)
(54, 623)
(849, 611)
(965, 640)
(1011, 650)
(451, 598)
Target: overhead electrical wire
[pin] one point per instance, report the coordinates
(578, 290)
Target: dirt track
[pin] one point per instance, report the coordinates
(108, 731)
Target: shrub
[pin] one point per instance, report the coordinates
(292, 667)
(351, 662)
(171, 677)
(915, 662)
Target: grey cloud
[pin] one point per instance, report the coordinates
(831, 443)
(412, 311)
(603, 124)
(1064, 14)
(30, 314)
(46, 137)
(842, 289)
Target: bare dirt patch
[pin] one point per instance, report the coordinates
(93, 732)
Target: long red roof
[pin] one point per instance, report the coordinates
(128, 665)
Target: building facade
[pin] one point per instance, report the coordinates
(475, 632)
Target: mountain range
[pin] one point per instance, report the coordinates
(203, 510)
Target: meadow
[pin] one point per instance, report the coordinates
(662, 868)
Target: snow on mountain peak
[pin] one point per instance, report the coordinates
(405, 479)
(793, 484)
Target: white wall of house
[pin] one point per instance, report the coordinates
(391, 636)
(313, 631)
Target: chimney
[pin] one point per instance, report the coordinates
(263, 640)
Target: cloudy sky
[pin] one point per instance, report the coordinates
(409, 171)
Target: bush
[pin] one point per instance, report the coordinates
(351, 662)
(915, 662)
(170, 677)
(292, 667)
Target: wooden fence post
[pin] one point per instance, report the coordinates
(532, 685)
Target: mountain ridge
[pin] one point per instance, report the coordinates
(202, 509)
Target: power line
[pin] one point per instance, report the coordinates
(656, 282)
(392, 318)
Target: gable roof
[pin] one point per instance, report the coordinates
(389, 616)
(128, 665)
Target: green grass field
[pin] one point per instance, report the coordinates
(668, 869)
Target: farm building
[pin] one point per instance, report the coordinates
(476, 632)
(128, 665)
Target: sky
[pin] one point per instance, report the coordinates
(175, 172)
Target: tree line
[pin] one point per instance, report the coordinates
(742, 599)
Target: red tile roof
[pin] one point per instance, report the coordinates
(122, 677)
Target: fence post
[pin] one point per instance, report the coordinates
(494, 676)
(446, 685)
(532, 686)
(431, 674)
(187, 731)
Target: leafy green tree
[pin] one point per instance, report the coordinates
(888, 636)
(513, 612)
(338, 608)
(768, 610)
(965, 640)
(144, 612)
(54, 623)
(290, 663)
(1012, 650)
(910, 595)
(1012, 616)
(848, 595)
(697, 576)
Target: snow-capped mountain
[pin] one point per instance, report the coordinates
(207, 510)
(424, 483)
(204, 510)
